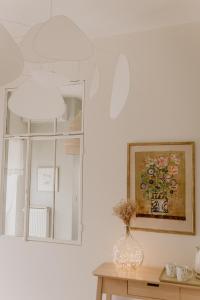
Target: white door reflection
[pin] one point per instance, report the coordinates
(15, 187)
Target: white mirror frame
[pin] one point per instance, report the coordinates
(43, 136)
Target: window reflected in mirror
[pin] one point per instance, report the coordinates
(42, 173)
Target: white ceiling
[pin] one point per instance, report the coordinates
(99, 18)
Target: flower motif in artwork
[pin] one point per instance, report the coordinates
(173, 170)
(159, 176)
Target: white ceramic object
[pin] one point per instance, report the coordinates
(121, 85)
(197, 262)
(170, 269)
(26, 46)
(36, 102)
(11, 59)
(183, 273)
(60, 39)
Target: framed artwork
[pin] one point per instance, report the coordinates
(161, 182)
(45, 180)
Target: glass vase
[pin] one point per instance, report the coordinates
(127, 252)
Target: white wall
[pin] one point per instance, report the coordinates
(163, 105)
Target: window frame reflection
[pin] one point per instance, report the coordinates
(54, 123)
(55, 136)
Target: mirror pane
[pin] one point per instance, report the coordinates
(14, 193)
(67, 196)
(42, 127)
(15, 125)
(41, 189)
(71, 120)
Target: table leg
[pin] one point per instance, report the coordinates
(99, 288)
(108, 297)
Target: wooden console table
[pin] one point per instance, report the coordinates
(143, 284)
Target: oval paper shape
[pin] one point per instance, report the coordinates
(26, 46)
(121, 85)
(35, 102)
(11, 59)
(60, 39)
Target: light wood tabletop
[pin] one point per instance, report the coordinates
(110, 270)
(143, 283)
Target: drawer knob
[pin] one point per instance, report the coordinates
(153, 284)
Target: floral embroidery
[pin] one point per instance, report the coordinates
(159, 180)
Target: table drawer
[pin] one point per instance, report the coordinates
(153, 290)
(114, 287)
(190, 294)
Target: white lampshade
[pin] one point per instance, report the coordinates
(46, 78)
(36, 102)
(26, 46)
(11, 59)
(121, 85)
(73, 90)
(60, 39)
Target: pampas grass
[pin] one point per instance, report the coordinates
(125, 211)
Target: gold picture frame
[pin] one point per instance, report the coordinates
(161, 182)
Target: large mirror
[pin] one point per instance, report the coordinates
(42, 180)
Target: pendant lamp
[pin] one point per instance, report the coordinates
(26, 46)
(36, 102)
(49, 79)
(11, 59)
(61, 39)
